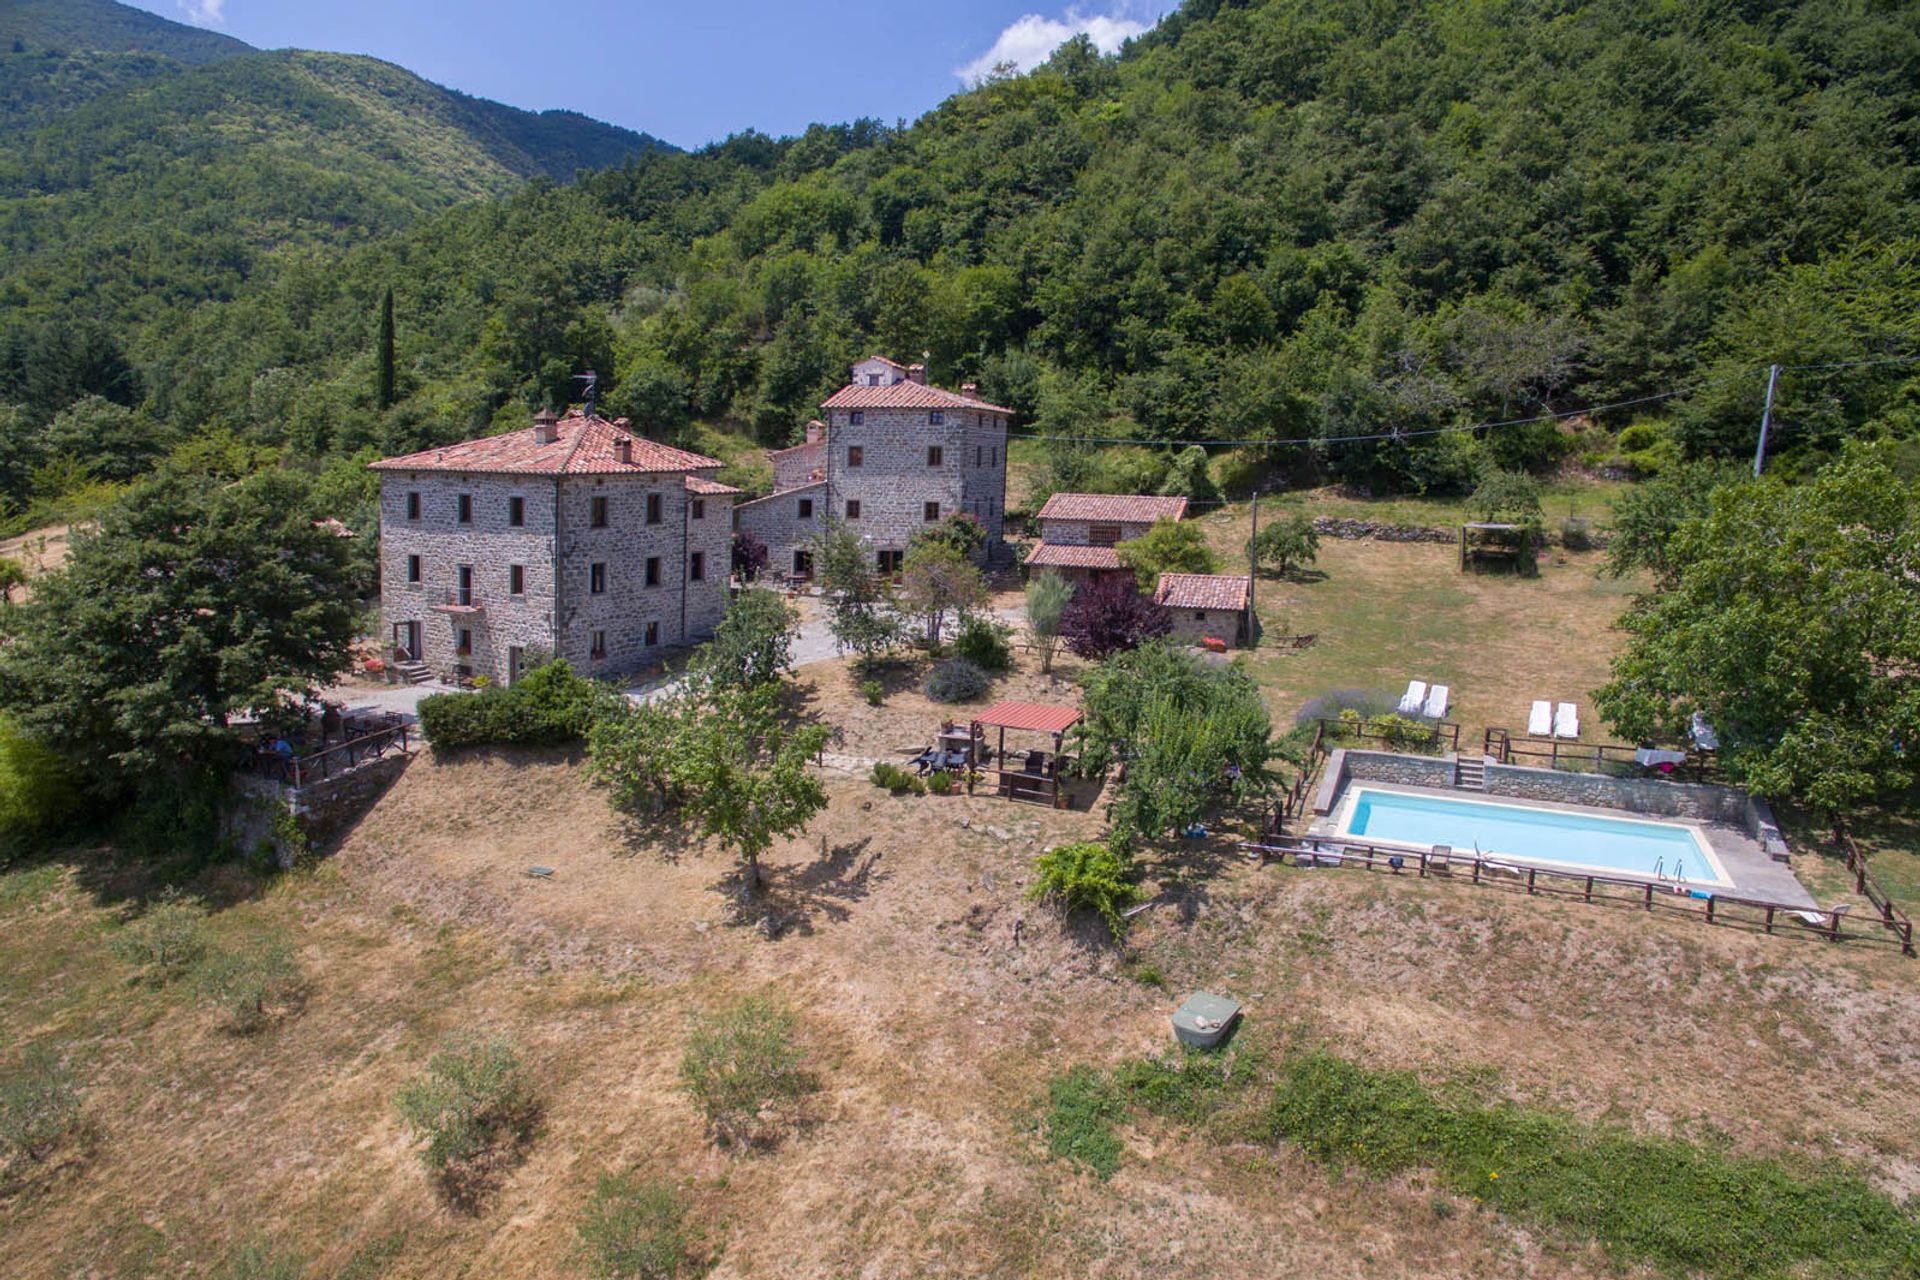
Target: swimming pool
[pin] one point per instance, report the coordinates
(1558, 838)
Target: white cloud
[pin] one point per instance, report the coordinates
(205, 13)
(1028, 41)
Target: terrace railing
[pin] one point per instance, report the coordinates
(1867, 887)
(331, 762)
(1710, 906)
(1443, 735)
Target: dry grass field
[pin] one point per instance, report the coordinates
(935, 1003)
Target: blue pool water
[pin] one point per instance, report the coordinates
(1632, 846)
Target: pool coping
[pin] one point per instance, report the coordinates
(1752, 872)
(1342, 817)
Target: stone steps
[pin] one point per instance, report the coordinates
(414, 672)
(1470, 773)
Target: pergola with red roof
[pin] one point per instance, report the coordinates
(1038, 778)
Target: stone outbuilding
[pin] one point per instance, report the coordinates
(1207, 606)
(572, 537)
(893, 456)
(1079, 531)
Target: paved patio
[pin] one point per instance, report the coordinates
(1754, 873)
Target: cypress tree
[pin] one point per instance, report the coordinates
(385, 390)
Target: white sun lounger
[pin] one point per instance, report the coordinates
(1566, 721)
(1415, 696)
(1540, 720)
(1437, 702)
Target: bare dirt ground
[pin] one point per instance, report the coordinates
(934, 1000)
(38, 551)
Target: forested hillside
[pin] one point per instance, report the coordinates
(1293, 221)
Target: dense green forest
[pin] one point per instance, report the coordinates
(1295, 222)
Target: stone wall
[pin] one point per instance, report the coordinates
(556, 612)
(1073, 533)
(1345, 764)
(895, 481)
(776, 521)
(798, 466)
(1702, 802)
(321, 810)
(677, 607)
(1190, 626)
(489, 544)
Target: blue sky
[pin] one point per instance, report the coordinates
(687, 72)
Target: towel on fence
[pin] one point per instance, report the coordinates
(1414, 698)
(1566, 721)
(1540, 721)
(1437, 702)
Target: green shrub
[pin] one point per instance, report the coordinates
(259, 1258)
(745, 1072)
(1576, 533)
(249, 984)
(474, 1108)
(1079, 1124)
(166, 938)
(38, 792)
(940, 782)
(39, 1105)
(983, 642)
(550, 706)
(1683, 1207)
(873, 691)
(1088, 876)
(957, 680)
(635, 1229)
(896, 779)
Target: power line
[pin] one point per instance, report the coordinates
(1588, 411)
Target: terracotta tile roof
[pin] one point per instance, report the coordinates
(905, 395)
(1033, 716)
(709, 488)
(782, 493)
(1203, 591)
(1053, 555)
(815, 445)
(581, 446)
(1120, 508)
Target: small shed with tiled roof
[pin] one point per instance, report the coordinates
(1078, 531)
(1030, 775)
(1206, 606)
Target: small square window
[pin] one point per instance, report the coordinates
(596, 579)
(516, 512)
(936, 419)
(933, 512)
(413, 568)
(599, 517)
(854, 455)
(653, 508)
(892, 561)
(464, 507)
(413, 505)
(653, 571)
(653, 633)
(806, 508)
(855, 419)
(934, 455)
(516, 579)
(697, 566)
(853, 508)
(599, 645)
(699, 508)
(1199, 615)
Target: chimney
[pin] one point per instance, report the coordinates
(917, 373)
(545, 426)
(623, 450)
(815, 430)
(968, 389)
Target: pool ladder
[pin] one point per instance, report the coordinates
(1679, 870)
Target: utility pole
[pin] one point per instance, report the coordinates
(1253, 569)
(1766, 418)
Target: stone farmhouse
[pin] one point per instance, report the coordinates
(1207, 606)
(572, 537)
(1079, 531)
(893, 456)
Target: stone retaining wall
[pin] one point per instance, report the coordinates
(1379, 766)
(1387, 531)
